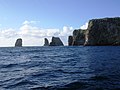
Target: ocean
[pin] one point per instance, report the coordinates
(60, 68)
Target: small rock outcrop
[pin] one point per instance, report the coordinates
(70, 40)
(78, 38)
(104, 31)
(46, 42)
(18, 43)
(56, 42)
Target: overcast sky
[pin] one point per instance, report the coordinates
(33, 20)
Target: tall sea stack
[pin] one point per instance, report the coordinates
(70, 40)
(18, 43)
(46, 42)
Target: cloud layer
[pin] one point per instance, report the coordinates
(32, 36)
(85, 26)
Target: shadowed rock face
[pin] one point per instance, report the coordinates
(18, 43)
(104, 31)
(78, 38)
(100, 32)
(46, 43)
(56, 42)
(70, 40)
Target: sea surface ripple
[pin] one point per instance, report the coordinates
(60, 68)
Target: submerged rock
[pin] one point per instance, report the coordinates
(104, 31)
(46, 42)
(18, 43)
(56, 42)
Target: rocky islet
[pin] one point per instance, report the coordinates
(18, 42)
(56, 41)
(46, 42)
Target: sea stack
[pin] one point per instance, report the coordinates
(104, 31)
(78, 38)
(56, 42)
(18, 42)
(70, 40)
(46, 42)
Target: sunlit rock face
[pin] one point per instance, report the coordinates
(56, 42)
(78, 38)
(18, 43)
(104, 31)
(46, 42)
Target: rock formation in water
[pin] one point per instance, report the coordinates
(70, 40)
(104, 31)
(46, 42)
(78, 38)
(100, 32)
(56, 42)
(18, 43)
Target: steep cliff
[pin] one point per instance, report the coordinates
(56, 42)
(104, 31)
(18, 43)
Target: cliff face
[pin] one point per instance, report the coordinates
(18, 43)
(56, 42)
(100, 32)
(46, 42)
(103, 32)
(78, 38)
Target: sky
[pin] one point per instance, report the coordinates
(34, 20)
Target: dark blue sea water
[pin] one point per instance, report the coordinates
(60, 68)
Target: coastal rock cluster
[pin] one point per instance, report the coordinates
(56, 41)
(100, 32)
(105, 31)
